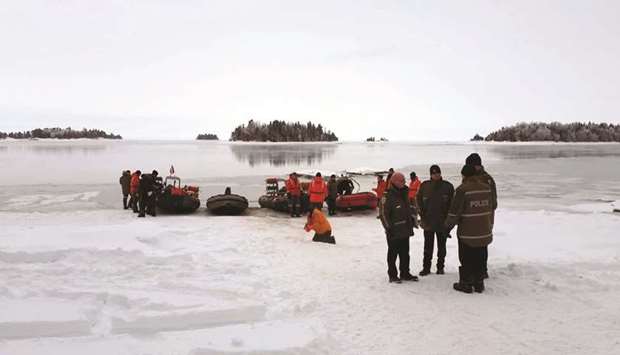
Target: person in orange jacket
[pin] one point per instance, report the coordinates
(133, 190)
(317, 191)
(322, 229)
(381, 187)
(293, 191)
(414, 186)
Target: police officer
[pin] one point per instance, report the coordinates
(472, 211)
(483, 176)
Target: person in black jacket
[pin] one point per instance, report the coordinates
(149, 186)
(433, 199)
(332, 194)
(395, 214)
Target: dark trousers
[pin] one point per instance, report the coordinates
(325, 238)
(133, 201)
(331, 206)
(293, 205)
(125, 202)
(486, 259)
(472, 263)
(429, 241)
(314, 205)
(147, 203)
(398, 248)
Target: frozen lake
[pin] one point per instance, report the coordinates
(78, 274)
(550, 176)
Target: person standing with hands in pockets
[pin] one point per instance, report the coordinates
(395, 215)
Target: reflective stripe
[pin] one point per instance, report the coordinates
(477, 192)
(452, 215)
(401, 222)
(477, 214)
(475, 237)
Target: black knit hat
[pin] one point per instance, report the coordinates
(413, 175)
(435, 169)
(474, 160)
(468, 170)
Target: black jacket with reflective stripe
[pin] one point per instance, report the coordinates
(395, 213)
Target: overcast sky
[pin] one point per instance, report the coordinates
(406, 70)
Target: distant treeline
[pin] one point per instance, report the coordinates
(280, 131)
(60, 133)
(207, 137)
(556, 132)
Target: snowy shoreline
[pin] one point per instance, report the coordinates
(108, 282)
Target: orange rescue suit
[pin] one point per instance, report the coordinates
(134, 184)
(292, 187)
(414, 186)
(318, 222)
(317, 190)
(380, 189)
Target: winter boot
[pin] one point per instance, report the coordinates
(440, 271)
(408, 277)
(479, 283)
(479, 286)
(463, 285)
(424, 272)
(395, 279)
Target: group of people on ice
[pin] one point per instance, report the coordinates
(141, 189)
(440, 207)
(319, 191)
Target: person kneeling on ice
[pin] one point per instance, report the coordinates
(320, 225)
(395, 213)
(472, 210)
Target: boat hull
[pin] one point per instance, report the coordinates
(227, 205)
(358, 201)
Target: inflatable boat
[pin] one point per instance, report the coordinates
(277, 203)
(174, 199)
(227, 204)
(357, 201)
(276, 199)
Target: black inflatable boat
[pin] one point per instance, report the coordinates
(227, 204)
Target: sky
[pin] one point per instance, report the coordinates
(404, 70)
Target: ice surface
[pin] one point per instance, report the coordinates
(79, 275)
(257, 284)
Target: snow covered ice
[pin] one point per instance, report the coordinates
(79, 275)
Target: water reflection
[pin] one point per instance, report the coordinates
(66, 148)
(554, 151)
(282, 154)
